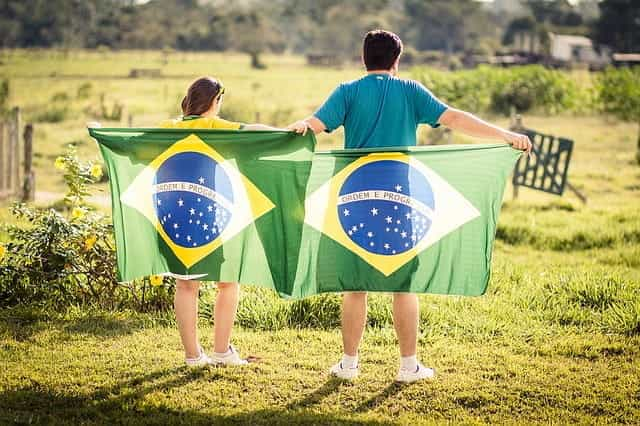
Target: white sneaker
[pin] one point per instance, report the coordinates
(344, 373)
(231, 357)
(420, 373)
(201, 361)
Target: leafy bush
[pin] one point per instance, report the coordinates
(533, 87)
(467, 90)
(619, 94)
(84, 91)
(54, 113)
(487, 88)
(4, 95)
(60, 259)
(60, 97)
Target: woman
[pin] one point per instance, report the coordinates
(200, 108)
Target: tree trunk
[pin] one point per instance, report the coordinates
(255, 61)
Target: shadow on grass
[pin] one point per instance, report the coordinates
(331, 385)
(103, 325)
(372, 403)
(123, 403)
(21, 324)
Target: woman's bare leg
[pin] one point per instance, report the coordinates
(185, 303)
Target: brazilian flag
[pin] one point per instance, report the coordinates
(262, 208)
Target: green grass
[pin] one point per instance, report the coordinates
(555, 340)
(97, 368)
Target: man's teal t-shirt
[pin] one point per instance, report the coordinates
(380, 110)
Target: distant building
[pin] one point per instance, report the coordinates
(626, 59)
(570, 49)
(561, 50)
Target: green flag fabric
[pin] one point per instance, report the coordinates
(262, 208)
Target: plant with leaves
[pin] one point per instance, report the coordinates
(619, 94)
(68, 257)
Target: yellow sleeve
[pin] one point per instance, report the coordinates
(219, 123)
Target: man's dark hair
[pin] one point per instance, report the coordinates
(380, 49)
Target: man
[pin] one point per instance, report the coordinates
(381, 110)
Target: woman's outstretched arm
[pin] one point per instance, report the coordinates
(259, 127)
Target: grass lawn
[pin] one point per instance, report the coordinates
(556, 339)
(106, 369)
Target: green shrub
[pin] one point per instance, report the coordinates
(619, 94)
(55, 113)
(533, 88)
(84, 91)
(467, 90)
(4, 95)
(67, 258)
(493, 89)
(60, 97)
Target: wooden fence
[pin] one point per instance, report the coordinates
(17, 179)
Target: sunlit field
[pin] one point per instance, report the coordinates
(556, 339)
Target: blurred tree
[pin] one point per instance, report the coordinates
(443, 24)
(253, 34)
(619, 25)
(557, 12)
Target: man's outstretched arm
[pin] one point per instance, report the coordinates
(311, 122)
(471, 125)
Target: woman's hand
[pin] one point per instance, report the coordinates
(300, 127)
(517, 141)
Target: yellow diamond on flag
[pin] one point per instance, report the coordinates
(196, 199)
(387, 208)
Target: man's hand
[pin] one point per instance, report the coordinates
(517, 141)
(300, 127)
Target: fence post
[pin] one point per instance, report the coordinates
(29, 185)
(18, 153)
(12, 147)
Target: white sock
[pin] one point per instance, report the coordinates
(349, 361)
(221, 354)
(409, 363)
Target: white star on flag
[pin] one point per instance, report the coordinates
(451, 211)
(346, 212)
(180, 202)
(201, 180)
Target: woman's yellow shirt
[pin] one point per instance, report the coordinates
(201, 123)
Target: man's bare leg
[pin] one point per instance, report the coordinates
(406, 311)
(224, 315)
(354, 320)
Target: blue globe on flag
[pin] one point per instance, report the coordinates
(193, 199)
(386, 207)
